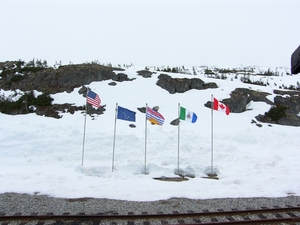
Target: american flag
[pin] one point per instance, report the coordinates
(93, 99)
(154, 117)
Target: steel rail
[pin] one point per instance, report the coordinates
(132, 216)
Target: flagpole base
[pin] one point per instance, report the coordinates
(171, 179)
(212, 176)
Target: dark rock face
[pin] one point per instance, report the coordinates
(292, 103)
(65, 78)
(142, 109)
(291, 115)
(237, 103)
(144, 73)
(57, 110)
(286, 92)
(240, 97)
(197, 84)
(177, 85)
(166, 83)
(175, 122)
(120, 77)
(112, 83)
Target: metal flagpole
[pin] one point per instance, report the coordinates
(84, 130)
(212, 133)
(146, 137)
(178, 137)
(112, 167)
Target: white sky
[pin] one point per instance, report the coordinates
(44, 155)
(225, 33)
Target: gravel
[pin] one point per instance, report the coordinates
(11, 203)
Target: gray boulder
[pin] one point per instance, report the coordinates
(241, 97)
(181, 85)
(283, 113)
(144, 73)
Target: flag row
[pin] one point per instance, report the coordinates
(152, 114)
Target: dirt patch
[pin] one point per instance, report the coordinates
(171, 179)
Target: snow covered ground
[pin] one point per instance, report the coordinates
(41, 155)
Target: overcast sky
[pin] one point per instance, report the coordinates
(224, 33)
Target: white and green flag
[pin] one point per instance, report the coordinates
(187, 115)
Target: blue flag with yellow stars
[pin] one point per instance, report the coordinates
(125, 114)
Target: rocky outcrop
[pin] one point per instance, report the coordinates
(286, 111)
(181, 85)
(241, 97)
(283, 111)
(57, 110)
(65, 78)
(292, 113)
(145, 73)
(286, 92)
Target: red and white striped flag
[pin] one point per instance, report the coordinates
(93, 99)
(221, 107)
(154, 117)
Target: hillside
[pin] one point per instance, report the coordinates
(24, 78)
(50, 146)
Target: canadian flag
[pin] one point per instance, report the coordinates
(221, 107)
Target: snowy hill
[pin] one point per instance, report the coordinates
(42, 155)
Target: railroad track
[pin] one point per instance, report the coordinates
(275, 215)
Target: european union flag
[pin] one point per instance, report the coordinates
(125, 114)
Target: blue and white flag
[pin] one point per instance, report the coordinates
(187, 115)
(125, 114)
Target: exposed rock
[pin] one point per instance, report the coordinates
(175, 122)
(292, 103)
(91, 110)
(167, 85)
(83, 91)
(291, 115)
(142, 109)
(156, 108)
(197, 84)
(65, 78)
(286, 92)
(241, 97)
(210, 85)
(56, 110)
(132, 125)
(181, 85)
(120, 77)
(112, 83)
(144, 73)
